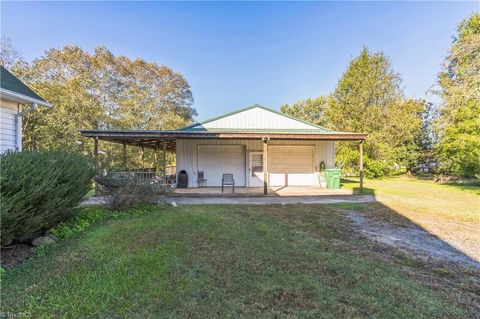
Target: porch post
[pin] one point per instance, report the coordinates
(124, 156)
(155, 159)
(95, 155)
(164, 161)
(265, 166)
(361, 166)
(143, 158)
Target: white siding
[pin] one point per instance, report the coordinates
(257, 118)
(187, 153)
(215, 160)
(10, 136)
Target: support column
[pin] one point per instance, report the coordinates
(360, 146)
(125, 156)
(95, 155)
(265, 166)
(164, 161)
(143, 158)
(155, 159)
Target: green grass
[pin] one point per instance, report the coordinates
(424, 198)
(222, 261)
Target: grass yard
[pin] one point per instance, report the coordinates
(231, 261)
(450, 212)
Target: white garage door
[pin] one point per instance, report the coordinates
(291, 165)
(215, 160)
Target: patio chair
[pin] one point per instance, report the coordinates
(227, 180)
(201, 180)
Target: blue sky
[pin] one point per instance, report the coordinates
(238, 54)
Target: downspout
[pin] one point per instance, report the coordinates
(18, 123)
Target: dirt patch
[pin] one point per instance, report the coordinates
(411, 239)
(15, 254)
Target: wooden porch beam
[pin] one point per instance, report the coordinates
(164, 161)
(360, 146)
(95, 155)
(265, 166)
(125, 156)
(155, 159)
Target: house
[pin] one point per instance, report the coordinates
(16, 99)
(259, 146)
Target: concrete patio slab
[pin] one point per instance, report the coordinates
(269, 200)
(258, 191)
(254, 200)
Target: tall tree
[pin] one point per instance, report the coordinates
(459, 123)
(101, 90)
(9, 55)
(368, 99)
(365, 91)
(310, 110)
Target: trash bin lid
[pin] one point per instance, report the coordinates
(333, 170)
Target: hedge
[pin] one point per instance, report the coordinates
(39, 189)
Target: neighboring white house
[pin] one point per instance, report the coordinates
(16, 98)
(258, 145)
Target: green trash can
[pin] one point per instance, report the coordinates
(332, 176)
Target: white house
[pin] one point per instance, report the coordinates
(16, 98)
(259, 146)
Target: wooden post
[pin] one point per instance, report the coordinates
(265, 166)
(361, 166)
(95, 155)
(125, 156)
(143, 158)
(164, 161)
(155, 159)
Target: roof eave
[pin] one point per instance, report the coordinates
(21, 98)
(125, 134)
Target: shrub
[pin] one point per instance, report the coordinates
(377, 168)
(126, 192)
(80, 222)
(39, 190)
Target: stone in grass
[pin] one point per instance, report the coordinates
(44, 240)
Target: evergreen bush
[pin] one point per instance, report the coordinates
(39, 189)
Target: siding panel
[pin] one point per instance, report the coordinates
(257, 118)
(8, 126)
(187, 153)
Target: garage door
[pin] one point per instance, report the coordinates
(215, 160)
(291, 165)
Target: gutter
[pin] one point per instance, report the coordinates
(23, 98)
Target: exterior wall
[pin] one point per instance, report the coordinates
(187, 152)
(10, 126)
(257, 118)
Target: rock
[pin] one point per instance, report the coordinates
(43, 241)
(55, 238)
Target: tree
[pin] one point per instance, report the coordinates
(459, 122)
(406, 132)
(310, 110)
(368, 99)
(9, 56)
(101, 91)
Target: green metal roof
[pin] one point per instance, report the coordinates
(254, 130)
(10, 82)
(197, 127)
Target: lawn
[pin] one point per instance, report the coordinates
(450, 212)
(231, 261)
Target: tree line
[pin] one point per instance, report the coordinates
(101, 90)
(406, 132)
(98, 90)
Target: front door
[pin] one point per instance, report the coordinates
(255, 169)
